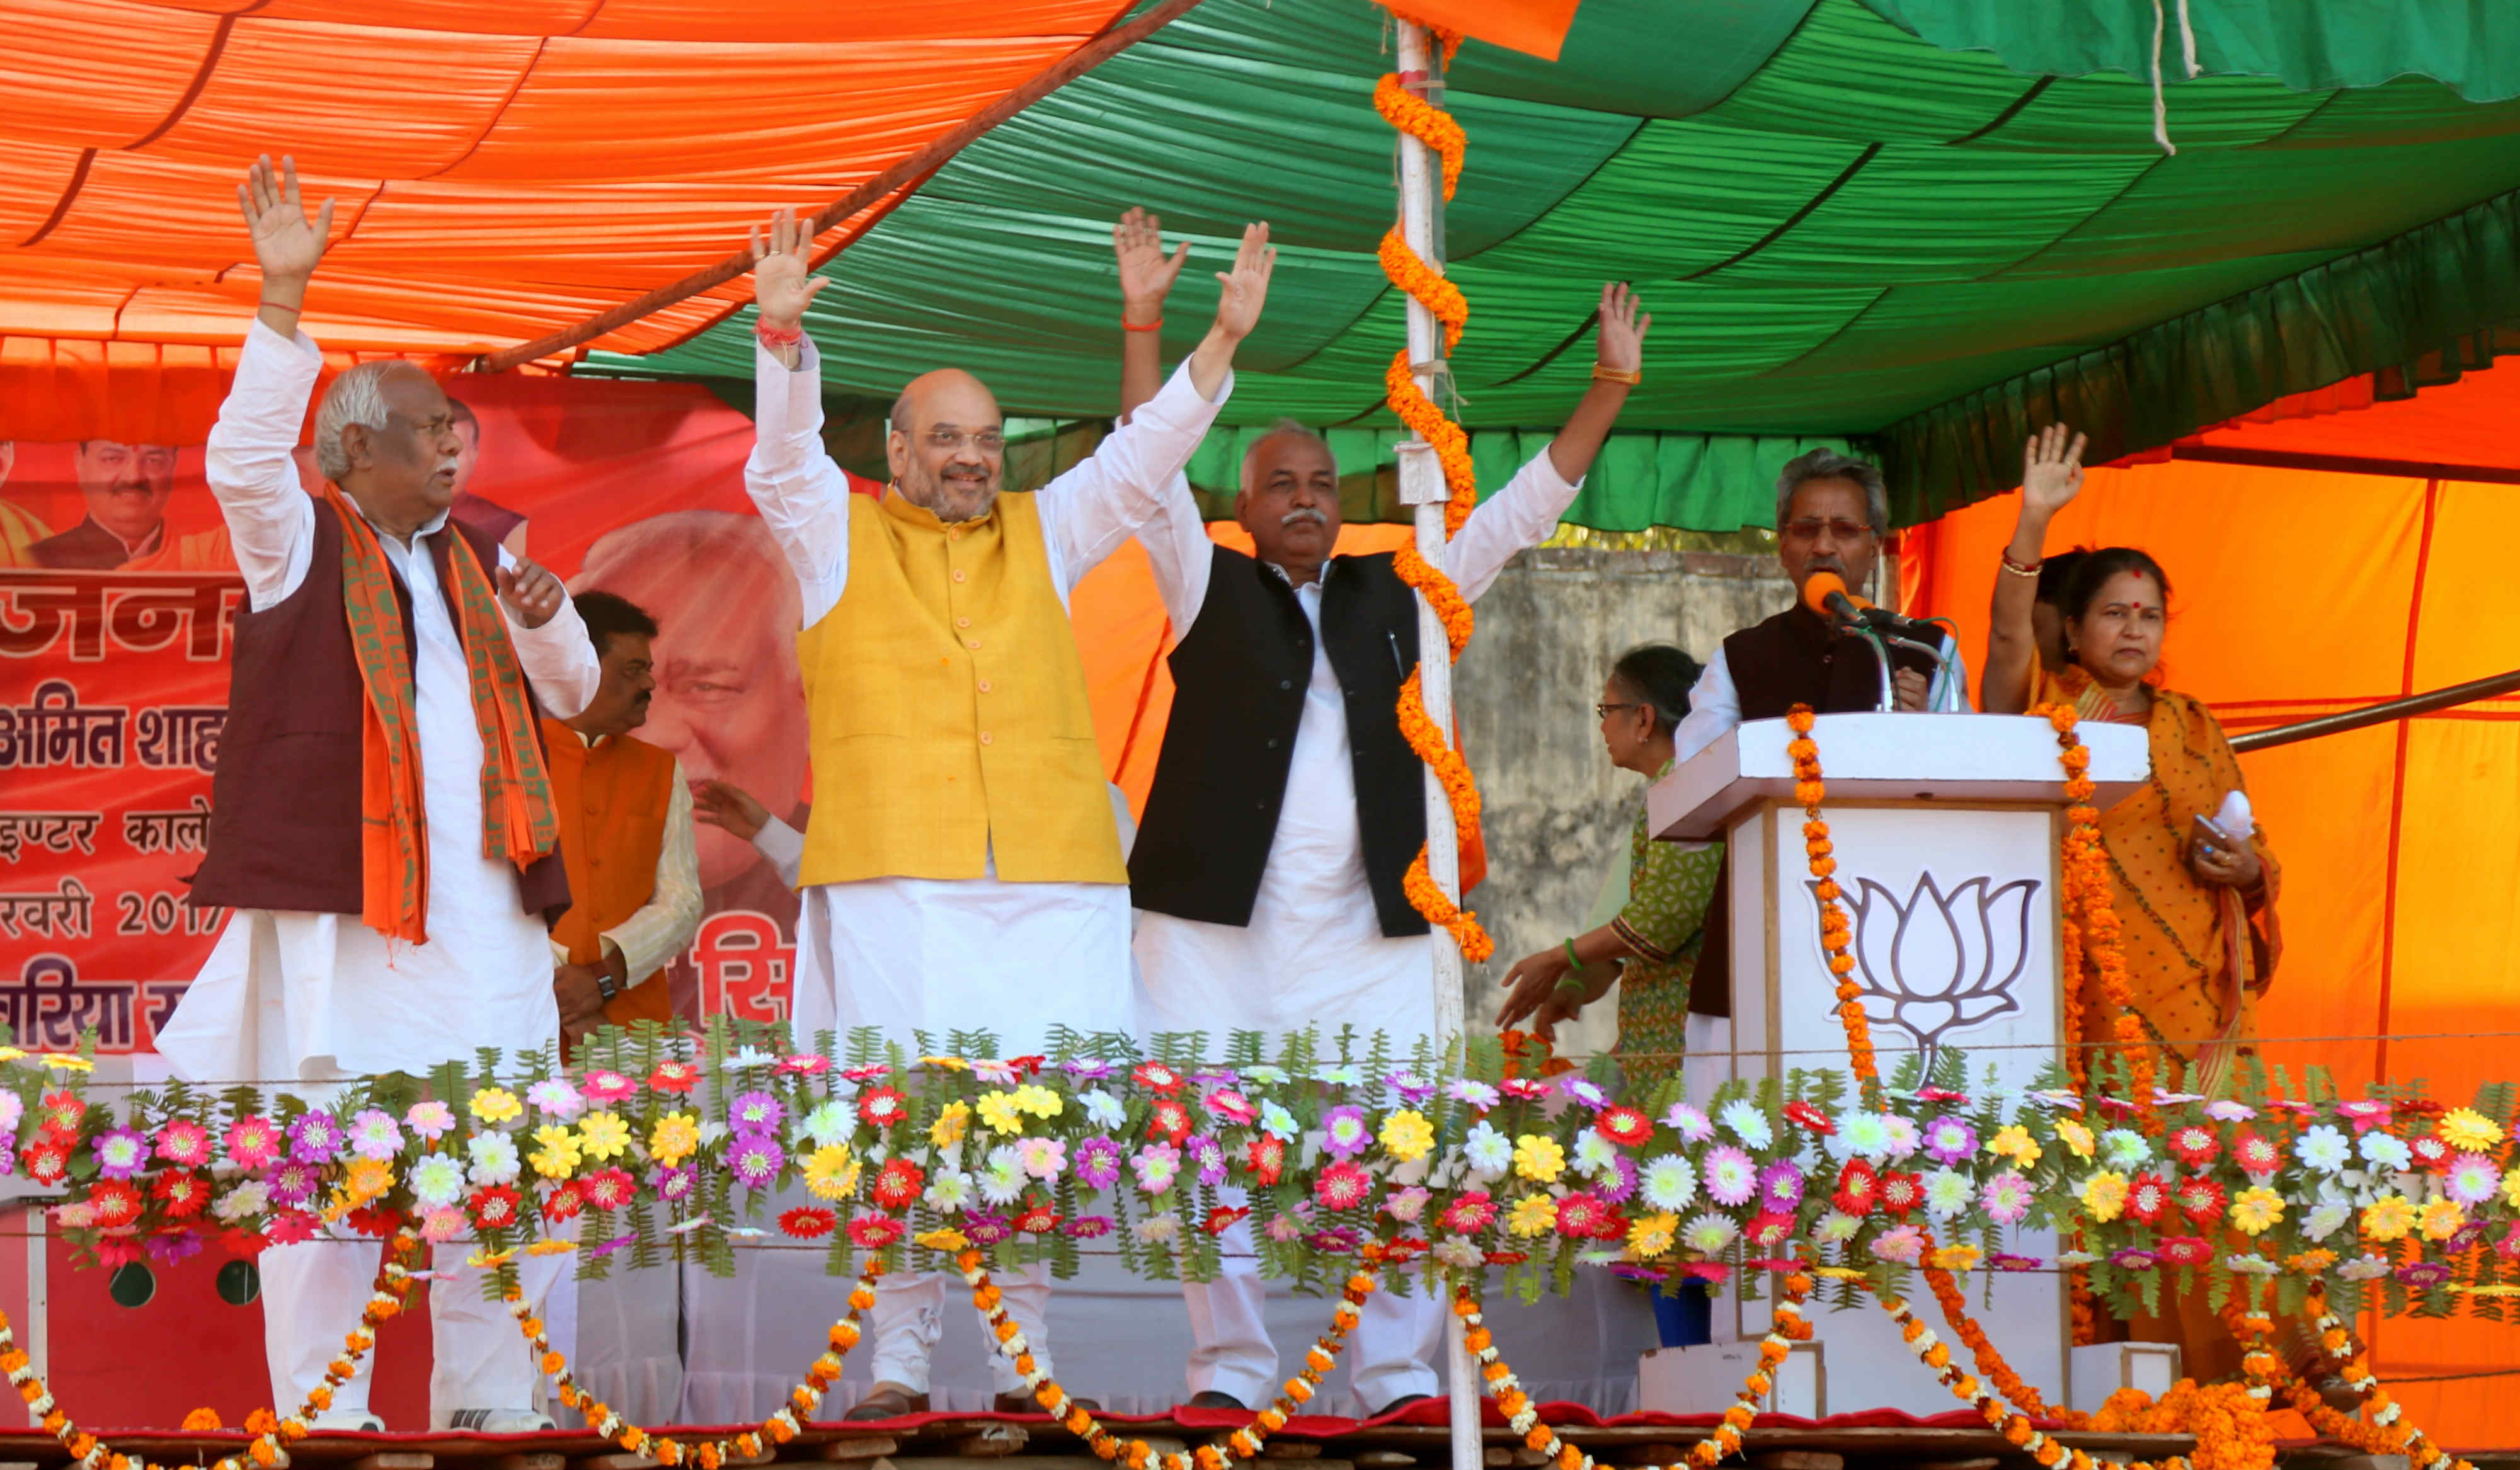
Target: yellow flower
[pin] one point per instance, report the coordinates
(2256, 1211)
(367, 1179)
(2014, 1142)
(550, 1247)
(831, 1172)
(2469, 1130)
(1957, 1257)
(943, 1240)
(2074, 1136)
(2441, 1219)
(554, 1154)
(673, 1138)
(2511, 1188)
(2311, 1263)
(64, 1061)
(998, 1110)
(945, 1063)
(1536, 1156)
(489, 1260)
(1533, 1214)
(604, 1136)
(1407, 1136)
(2388, 1218)
(1653, 1235)
(2104, 1194)
(947, 1130)
(495, 1105)
(1038, 1101)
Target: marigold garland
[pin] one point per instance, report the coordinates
(1136, 1455)
(2387, 1432)
(1425, 283)
(2090, 919)
(708, 1454)
(272, 1437)
(1837, 934)
(1523, 1416)
(2016, 1390)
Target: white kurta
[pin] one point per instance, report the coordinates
(299, 1000)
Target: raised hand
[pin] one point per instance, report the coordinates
(783, 278)
(1621, 340)
(1246, 285)
(286, 243)
(2051, 471)
(1147, 273)
(532, 594)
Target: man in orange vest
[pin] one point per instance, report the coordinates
(625, 819)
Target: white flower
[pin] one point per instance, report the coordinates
(1344, 1075)
(2252, 1266)
(494, 1158)
(243, 1202)
(1595, 1155)
(1904, 1136)
(2124, 1148)
(2323, 1148)
(2364, 1268)
(2382, 1152)
(1708, 1233)
(1670, 1183)
(1101, 1109)
(1489, 1153)
(2077, 1257)
(831, 1123)
(1866, 1136)
(1948, 1192)
(1277, 1122)
(1748, 1124)
(436, 1181)
(1458, 1251)
(1002, 1177)
(1264, 1076)
(1688, 1123)
(1158, 1229)
(747, 1056)
(1836, 1227)
(2224, 1110)
(949, 1191)
(1599, 1257)
(2325, 1219)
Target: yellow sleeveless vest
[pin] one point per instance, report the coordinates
(949, 709)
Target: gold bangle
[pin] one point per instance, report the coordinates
(2031, 572)
(1628, 376)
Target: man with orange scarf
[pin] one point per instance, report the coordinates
(382, 827)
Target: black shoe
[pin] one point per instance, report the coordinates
(1217, 1398)
(1399, 1404)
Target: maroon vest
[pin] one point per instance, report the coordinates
(285, 800)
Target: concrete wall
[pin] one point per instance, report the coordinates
(1556, 810)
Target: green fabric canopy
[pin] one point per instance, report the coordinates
(1846, 233)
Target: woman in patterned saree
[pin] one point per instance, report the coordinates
(2197, 899)
(1650, 947)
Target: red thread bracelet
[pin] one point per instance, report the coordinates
(1157, 325)
(774, 337)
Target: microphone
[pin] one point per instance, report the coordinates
(1825, 593)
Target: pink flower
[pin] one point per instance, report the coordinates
(805, 1064)
(253, 1141)
(1470, 1212)
(183, 1141)
(1342, 1186)
(608, 1087)
(1905, 1244)
(2364, 1115)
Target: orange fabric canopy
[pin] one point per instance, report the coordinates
(502, 167)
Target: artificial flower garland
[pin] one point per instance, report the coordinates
(779, 1428)
(1136, 1455)
(272, 1437)
(1837, 935)
(1523, 1416)
(2092, 929)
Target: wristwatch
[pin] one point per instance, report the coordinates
(605, 982)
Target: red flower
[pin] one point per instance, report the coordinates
(2184, 1250)
(1768, 1229)
(1524, 1088)
(2430, 1152)
(495, 1208)
(1580, 1215)
(1027, 1066)
(564, 1202)
(181, 1196)
(60, 1112)
(1342, 1186)
(1859, 1188)
(2200, 1199)
(1222, 1219)
(608, 1188)
(1900, 1193)
(674, 1076)
(806, 1222)
(1507, 1258)
(1623, 1125)
(1266, 1158)
(2148, 1197)
(2255, 1155)
(1156, 1077)
(1169, 1121)
(1807, 1116)
(117, 1203)
(874, 1231)
(288, 1229)
(1037, 1218)
(2193, 1144)
(376, 1220)
(1471, 1213)
(897, 1186)
(47, 1160)
(882, 1107)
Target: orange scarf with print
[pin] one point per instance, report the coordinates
(519, 822)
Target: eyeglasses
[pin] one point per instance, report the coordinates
(986, 441)
(1838, 530)
(1602, 711)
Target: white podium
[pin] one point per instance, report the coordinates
(1947, 833)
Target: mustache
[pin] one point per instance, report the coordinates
(1303, 515)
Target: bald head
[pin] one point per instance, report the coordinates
(947, 448)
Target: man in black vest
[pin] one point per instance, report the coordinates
(1286, 807)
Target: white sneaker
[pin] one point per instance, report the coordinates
(501, 1420)
(346, 1422)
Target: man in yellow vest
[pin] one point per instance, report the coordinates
(962, 868)
(625, 824)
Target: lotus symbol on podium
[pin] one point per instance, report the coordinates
(1940, 962)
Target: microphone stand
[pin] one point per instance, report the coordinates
(1880, 656)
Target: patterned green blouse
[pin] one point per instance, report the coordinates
(1663, 926)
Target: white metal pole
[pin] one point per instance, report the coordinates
(1421, 486)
